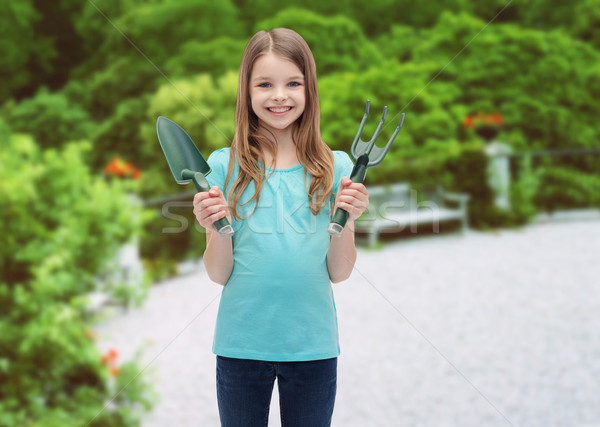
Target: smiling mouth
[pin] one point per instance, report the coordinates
(279, 109)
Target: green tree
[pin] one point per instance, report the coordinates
(135, 57)
(23, 52)
(94, 22)
(586, 22)
(399, 42)
(337, 42)
(120, 135)
(124, 78)
(214, 57)
(50, 118)
(552, 104)
(146, 26)
(536, 14)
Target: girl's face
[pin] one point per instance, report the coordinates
(277, 92)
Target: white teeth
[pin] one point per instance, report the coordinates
(280, 110)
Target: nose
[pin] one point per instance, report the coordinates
(279, 95)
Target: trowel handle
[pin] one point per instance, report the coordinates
(222, 225)
(338, 222)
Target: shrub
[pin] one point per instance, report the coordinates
(564, 188)
(61, 226)
(51, 118)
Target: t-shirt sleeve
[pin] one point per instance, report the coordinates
(218, 162)
(342, 167)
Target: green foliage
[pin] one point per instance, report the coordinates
(51, 372)
(391, 84)
(134, 54)
(93, 24)
(21, 47)
(61, 226)
(61, 223)
(539, 14)
(337, 42)
(204, 106)
(50, 118)
(121, 134)
(548, 106)
(587, 20)
(398, 42)
(565, 188)
(377, 16)
(124, 78)
(214, 57)
(56, 25)
(184, 20)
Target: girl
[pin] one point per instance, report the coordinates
(277, 317)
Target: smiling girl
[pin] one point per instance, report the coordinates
(276, 184)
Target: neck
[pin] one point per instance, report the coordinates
(286, 149)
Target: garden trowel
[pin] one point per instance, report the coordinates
(186, 162)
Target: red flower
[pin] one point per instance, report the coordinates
(110, 359)
(496, 118)
(468, 122)
(117, 167)
(480, 120)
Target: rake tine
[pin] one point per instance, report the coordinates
(362, 123)
(396, 131)
(379, 153)
(376, 134)
(360, 129)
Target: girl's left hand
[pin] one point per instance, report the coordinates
(353, 197)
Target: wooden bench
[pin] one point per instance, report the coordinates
(397, 207)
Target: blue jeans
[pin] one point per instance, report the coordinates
(306, 392)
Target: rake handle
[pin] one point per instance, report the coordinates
(338, 222)
(222, 225)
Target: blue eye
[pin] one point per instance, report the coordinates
(264, 85)
(294, 84)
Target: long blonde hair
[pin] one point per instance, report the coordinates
(247, 145)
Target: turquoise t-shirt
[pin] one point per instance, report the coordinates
(278, 302)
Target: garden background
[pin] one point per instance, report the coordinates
(84, 81)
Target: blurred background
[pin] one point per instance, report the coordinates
(501, 101)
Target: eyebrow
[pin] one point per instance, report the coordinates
(269, 78)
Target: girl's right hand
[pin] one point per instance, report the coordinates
(210, 207)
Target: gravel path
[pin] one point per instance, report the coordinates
(489, 329)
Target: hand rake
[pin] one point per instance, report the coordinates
(366, 155)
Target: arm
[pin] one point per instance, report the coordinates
(218, 256)
(354, 198)
(342, 255)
